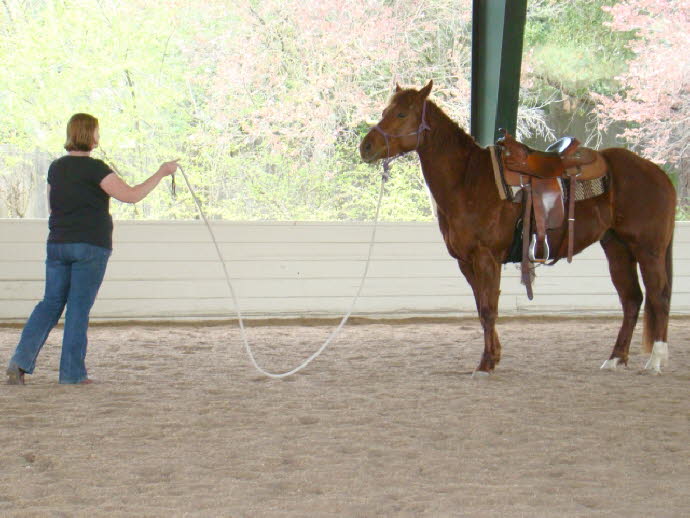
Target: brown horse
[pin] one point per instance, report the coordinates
(633, 220)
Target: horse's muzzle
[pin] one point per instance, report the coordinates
(367, 151)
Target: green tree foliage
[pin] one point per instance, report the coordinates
(265, 102)
(114, 60)
(570, 55)
(569, 47)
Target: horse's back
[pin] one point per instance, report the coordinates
(644, 199)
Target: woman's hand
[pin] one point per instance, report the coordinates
(168, 168)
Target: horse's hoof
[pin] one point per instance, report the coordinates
(482, 375)
(658, 357)
(611, 364)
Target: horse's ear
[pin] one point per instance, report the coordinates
(424, 92)
(397, 88)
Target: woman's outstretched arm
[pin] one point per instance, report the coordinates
(114, 186)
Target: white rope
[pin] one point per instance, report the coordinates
(335, 332)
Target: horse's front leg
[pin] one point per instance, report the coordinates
(483, 273)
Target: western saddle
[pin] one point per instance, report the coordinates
(539, 174)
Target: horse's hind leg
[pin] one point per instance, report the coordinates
(623, 270)
(656, 275)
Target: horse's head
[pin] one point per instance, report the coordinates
(401, 129)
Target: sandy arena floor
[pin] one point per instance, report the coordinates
(387, 422)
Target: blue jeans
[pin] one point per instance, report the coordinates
(74, 272)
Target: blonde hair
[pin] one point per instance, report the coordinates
(80, 132)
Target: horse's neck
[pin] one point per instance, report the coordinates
(445, 157)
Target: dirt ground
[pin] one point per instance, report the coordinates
(386, 422)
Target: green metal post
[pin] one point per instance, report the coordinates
(497, 35)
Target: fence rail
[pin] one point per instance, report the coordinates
(167, 270)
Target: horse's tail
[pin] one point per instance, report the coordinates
(647, 338)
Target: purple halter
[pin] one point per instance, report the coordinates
(386, 136)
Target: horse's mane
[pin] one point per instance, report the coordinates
(445, 131)
(446, 137)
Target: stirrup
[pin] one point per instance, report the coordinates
(532, 249)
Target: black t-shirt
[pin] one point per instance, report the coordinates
(80, 209)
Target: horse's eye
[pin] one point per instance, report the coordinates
(402, 115)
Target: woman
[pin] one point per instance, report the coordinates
(79, 245)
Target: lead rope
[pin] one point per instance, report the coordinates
(243, 333)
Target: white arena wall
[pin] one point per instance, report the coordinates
(169, 270)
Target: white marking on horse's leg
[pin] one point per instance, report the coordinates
(658, 357)
(611, 364)
(480, 375)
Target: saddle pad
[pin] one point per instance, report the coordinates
(586, 189)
